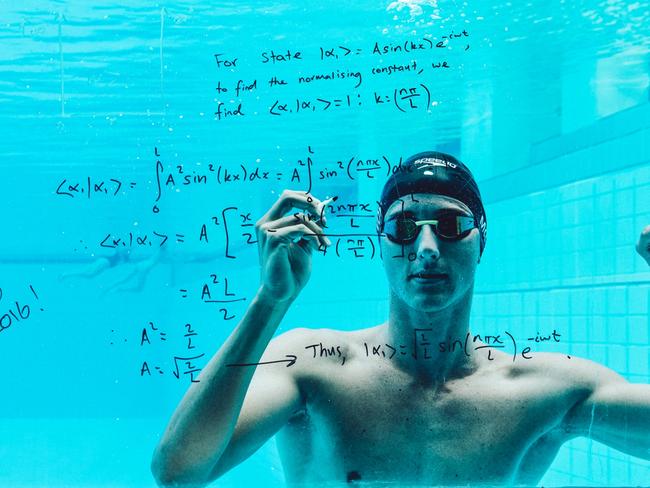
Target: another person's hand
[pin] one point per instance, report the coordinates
(286, 242)
(643, 246)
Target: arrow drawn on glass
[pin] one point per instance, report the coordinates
(290, 362)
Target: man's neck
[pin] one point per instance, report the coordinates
(420, 334)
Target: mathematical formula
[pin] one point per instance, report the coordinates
(404, 98)
(352, 231)
(424, 345)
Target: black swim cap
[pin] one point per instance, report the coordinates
(434, 172)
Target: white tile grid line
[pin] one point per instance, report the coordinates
(638, 361)
(624, 347)
(591, 460)
(624, 202)
(618, 359)
(638, 326)
(617, 327)
(625, 179)
(617, 300)
(575, 211)
(642, 197)
(603, 185)
(642, 175)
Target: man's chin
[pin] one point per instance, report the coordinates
(430, 303)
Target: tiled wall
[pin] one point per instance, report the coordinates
(564, 258)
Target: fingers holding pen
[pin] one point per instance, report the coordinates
(276, 227)
(286, 236)
(292, 199)
(293, 227)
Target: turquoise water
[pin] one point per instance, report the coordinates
(546, 102)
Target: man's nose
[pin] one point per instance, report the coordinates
(427, 243)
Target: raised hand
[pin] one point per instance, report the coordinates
(643, 245)
(286, 242)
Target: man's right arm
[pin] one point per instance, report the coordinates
(231, 411)
(218, 424)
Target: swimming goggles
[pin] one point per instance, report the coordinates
(451, 227)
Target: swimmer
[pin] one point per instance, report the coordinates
(135, 279)
(139, 268)
(132, 281)
(99, 265)
(426, 417)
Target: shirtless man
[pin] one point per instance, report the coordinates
(426, 415)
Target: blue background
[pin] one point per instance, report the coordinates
(547, 103)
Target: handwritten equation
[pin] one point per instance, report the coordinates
(184, 366)
(171, 178)
(425, 346)
(14, 312)
(211, 294)
(352, 231)
(404, 99)
(337, 66)
(186, 359)
(232, 228)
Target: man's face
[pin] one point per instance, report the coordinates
(429, 273)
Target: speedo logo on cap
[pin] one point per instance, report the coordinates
(427, 162)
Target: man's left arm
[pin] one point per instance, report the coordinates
(613, 411)
(616, 413)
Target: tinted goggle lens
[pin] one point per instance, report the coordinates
(452, 227)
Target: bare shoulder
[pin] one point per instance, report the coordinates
(289, 344)
(314, 348)
(574, 372)
(292, 338)
(304, 336)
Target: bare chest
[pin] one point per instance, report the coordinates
(377, 426)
